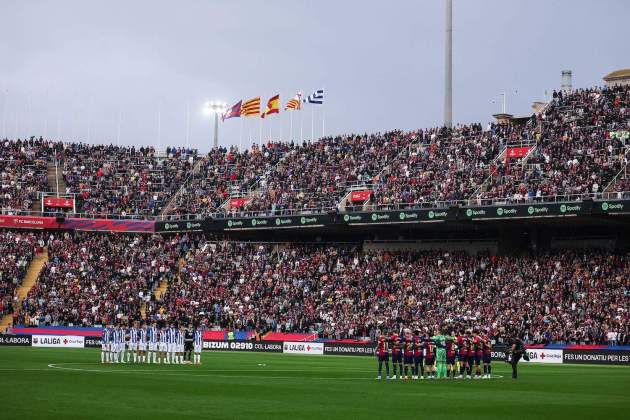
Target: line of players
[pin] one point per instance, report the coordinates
(435, 354)
(150, 344)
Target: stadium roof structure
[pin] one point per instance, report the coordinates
(616, 75)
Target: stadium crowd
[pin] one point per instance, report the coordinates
(576, 146)
(96, 278)
(577, 149)
(17, 250)
(124, 181)
(23, 172)
(341, 292)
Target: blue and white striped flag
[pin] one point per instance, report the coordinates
(316, 98)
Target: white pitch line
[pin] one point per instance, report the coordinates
(166, 373)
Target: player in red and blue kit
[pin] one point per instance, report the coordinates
(462, 355)
(382, 353)
(397, 360)
(487, 356)
(478, 353)
(450, 357)
(429, 356)
(407, 344)
(470, 358)
(418, 356)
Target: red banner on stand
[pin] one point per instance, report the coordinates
(358, 196)
(237, 203)
(28, 222)
(516, 152)
(65, 203)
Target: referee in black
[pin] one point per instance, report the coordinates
(517, 350)
(188, 343)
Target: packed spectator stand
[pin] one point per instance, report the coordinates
(577, 147)
(97, 278)
(17, 249)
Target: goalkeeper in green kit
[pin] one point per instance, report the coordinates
(442, 344)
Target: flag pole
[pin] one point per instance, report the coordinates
(240, 134)
(260, 131)
(301, 127)
(4, 114)
(119, 122)
(159, 127)
(312, 125)
(187, 125)
(46, 116)
(323, 122)
(291, 131)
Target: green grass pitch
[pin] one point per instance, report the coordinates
(62, 383)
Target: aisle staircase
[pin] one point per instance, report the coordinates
(31, 277)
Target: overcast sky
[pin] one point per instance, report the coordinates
(72, 68)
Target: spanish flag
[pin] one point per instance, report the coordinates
(251, 107)
(294, 103)
(273, 106)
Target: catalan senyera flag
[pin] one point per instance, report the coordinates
(295, 102)
(251, 107)
(273, 106)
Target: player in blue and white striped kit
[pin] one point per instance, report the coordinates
(163, 345)
(172, 344)
(105, 350)
(142, 343)
(198, 343)
(181, 339)
(119, 344)
(133, 344)
(152, 334)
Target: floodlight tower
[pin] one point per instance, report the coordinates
(448, 65)
(216, 108)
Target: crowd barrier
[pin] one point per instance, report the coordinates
(536, 355)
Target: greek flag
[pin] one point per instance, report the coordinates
(316, 98)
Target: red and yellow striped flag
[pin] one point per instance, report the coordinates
(295, 102)
(251, 107)
(273, 106)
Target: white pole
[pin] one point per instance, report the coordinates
(46, 116)
(58, 126)
(323, 122)
(159, 126)
(240, 135)
(89, 121)
(301, 127)
(4, 114)
(119, 124)
(29, 120)
(270, 136)
(249, 134)
(260, 131)
(16, 122)
(291, 130)
(448, 65)
(187, 125)
(312, 123)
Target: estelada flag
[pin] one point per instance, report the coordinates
(233, 112)
(273, 106)
(251, 107)
(294, 103)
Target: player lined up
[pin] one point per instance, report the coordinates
(142, 344)
(432, 355)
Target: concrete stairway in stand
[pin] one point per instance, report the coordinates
(31, 277)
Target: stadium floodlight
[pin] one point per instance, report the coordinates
(216, 108)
